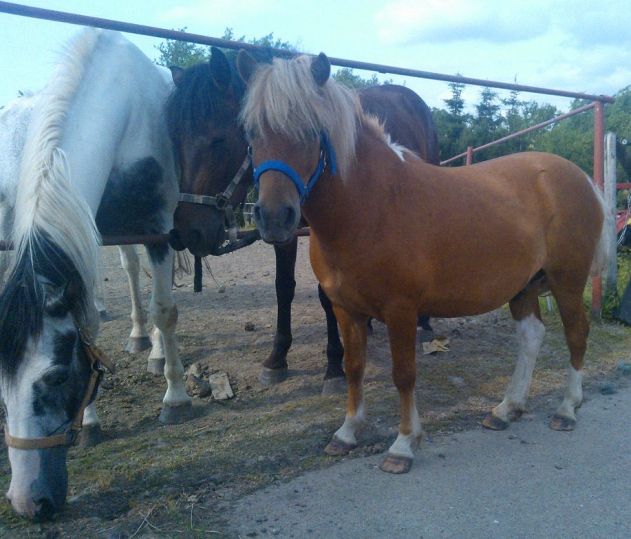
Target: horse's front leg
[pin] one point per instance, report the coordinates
(354, 331)
(138, 338)
(401, 323)
(275, 366)
(90, 434)
(334, 379)
(176, 404)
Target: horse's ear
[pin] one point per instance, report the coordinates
(220, 69)
(321, 69)
(246, 65)
(177, 73)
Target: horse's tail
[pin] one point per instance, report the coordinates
(49, 210)
(604, 247)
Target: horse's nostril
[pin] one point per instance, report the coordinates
(257, 213)
(290, 216)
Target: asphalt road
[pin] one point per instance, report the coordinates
(526, 482)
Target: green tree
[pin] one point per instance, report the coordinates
(452, 125)
(347, 77)
(180, 53)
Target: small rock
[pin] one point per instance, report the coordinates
(220, 386)
(624, 368)
(194, 369)
(197, 387)
(608, 388)
(249, 326)
(458, 381)
(221, 289)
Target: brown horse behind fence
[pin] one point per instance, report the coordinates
(393, 237)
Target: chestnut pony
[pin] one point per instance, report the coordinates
(202, 115)
(393, 237)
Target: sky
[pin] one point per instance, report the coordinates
(573, 45)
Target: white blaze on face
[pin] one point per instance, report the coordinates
(25, 465)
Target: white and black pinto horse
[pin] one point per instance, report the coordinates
(96, 153)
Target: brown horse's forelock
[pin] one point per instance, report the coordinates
(196, 101)
(284, 98)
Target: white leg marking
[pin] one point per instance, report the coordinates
(573, 393)
(90, 417)
(164, 315)
(405, 444)
(131, 265)
(530, 332)
(157, 345)
(346, 433)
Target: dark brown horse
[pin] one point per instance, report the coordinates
(202, 115)
(474, 237)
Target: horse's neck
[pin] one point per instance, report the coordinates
(340, 206)
(14, 122)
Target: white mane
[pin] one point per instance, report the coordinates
(47, 204)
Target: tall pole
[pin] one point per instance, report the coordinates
(599, 151)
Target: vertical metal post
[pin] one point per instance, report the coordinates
(610, 191)
(599, 133)
(469, 160)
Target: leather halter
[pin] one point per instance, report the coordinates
(327, 156)
(222, 200)
(98, 360)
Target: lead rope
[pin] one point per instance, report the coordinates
(197, 280)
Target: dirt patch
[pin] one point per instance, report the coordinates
(149, 480)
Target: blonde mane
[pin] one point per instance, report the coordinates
(284, 97)
(47, 204)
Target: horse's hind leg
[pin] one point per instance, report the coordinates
(275, 366)
(354, 335)
(138, 338)
(401, 325)
(530, 331)
(176, 404)
(334, 380)
(576, 326)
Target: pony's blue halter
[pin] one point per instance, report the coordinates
(327, 156)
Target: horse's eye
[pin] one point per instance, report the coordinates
(56, 376)
(216, 141)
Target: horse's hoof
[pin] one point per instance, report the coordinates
(105, 316)
(493, 422)
(334, 386)
(171, 415)
(155, 365)
(425, 335)
(558, 422)
(136, 345)
(338, 448)
(89, 436)
(396, 464)
(270, 377)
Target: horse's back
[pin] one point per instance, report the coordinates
(406, 117)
